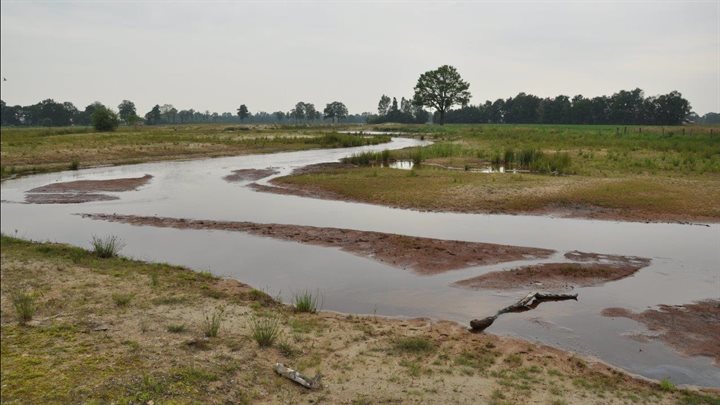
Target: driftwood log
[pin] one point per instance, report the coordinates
(530, 301)
(293, 375)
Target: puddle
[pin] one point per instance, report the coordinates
(684, 264)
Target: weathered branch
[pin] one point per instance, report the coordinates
(307, 382)
(530, 301)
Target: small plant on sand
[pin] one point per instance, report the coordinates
(265, 330)
(74, 165)
(413, 345)
(176, 328)
(106, 247)
(122, 300)
(211, 326)
(667, 385)
(24, 304)
(154, 279)
(306, 302)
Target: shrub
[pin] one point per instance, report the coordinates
(106, 247)
(74, 165)
(265, 330)
(104, 119)
(24, 304)
(211, 326)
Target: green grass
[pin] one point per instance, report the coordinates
(38, 150)
(106, 247)
(414, 345)
(212, 322)
(265, 330)
(24, 305)
(306, 302)
(122, 300)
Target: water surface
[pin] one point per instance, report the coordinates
(685, 259)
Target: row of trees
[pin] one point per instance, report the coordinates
(623, 107)
(51, 113)
(406, 112)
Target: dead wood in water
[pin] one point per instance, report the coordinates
(530, 301)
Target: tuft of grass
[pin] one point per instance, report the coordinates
(24, 304)
(154, 279)
(667, 385)
(106, 247)
(176, 328)
(211, 326)
(74, 165)
(122, 300)
(265, 330)
(413, 345)
(306, 302)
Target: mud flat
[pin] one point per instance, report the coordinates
(692, 329)
(421, 255)
(594, 269)
(80, 191)
(249, 175)
(89, 186)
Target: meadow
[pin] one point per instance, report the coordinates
(606, 172)
(37, 150)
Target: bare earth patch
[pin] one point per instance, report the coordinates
(596, 269)
(692, 329)
(80, 191)
(421, 255)
(249, 175)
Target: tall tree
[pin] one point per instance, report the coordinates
(126, 111)
(383, 105)
(153, 116)
(311, 113)
(441, 89)
(243, 112)
(336, 111)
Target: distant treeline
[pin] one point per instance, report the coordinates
(623, 107)
(57, 114)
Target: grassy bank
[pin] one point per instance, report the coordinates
(34, 150)
(122, 331)
(638, 173)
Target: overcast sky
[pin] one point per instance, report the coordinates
(269, 55)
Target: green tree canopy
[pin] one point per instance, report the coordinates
(104, 119)
(126, 111)
(441, 89)
(335, 111)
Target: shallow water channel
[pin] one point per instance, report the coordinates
(685, 258)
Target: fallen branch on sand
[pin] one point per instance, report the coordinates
(531, 301)
(307, 382)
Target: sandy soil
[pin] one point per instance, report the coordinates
(88, 186)
(81, 191)
(692, 329)
(85, 347)
(594, 269)
(421, 255)
(249, 175)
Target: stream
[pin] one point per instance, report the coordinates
(685, 258)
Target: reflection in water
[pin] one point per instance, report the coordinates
(683, 269)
